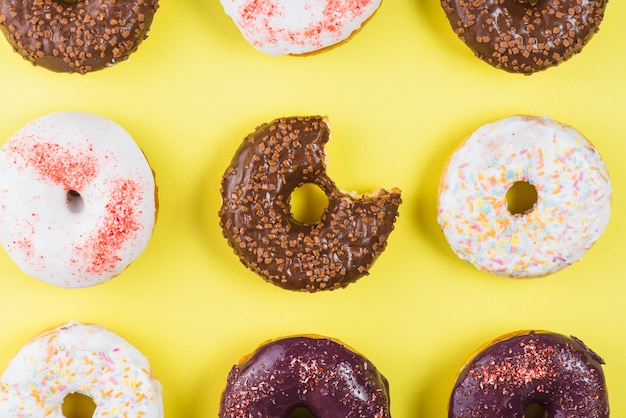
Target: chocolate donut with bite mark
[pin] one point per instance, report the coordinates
(552, 372)
(313, 372)
(525, 36)
(256, 218)
(76, 36)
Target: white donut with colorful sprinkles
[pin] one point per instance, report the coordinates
(77, 199)
(85, 359)
(573, 197)
(279, 27)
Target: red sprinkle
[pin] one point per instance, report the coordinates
(333, 13)
(120, 223)
(72, 168)
(25, 245)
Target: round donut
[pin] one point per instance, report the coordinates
(525, 36)
(312, 372)
(573, 191)
(527, 368)
(85, 359)
(77, 199)
(278, 27)
(76, 36)
(256, 218)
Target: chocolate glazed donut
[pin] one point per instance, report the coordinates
(80, 36)
(317, 373)
(256, 219)
(560, 374)
(525, 36)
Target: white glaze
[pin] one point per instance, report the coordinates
(98, 159)
(279, 27)
(573, 197)
(79, 358)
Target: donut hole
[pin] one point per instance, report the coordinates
(77, 405)
(74, 201)
(307, 203)
(535, 410)
(301, 412)
(521, 198)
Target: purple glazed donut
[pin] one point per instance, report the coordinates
(317, 373)
(558, 374)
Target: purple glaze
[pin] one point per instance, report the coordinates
(557, 372)
(324, 376)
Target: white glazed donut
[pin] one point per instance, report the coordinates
(85, 359)
(77, 199)
(297, 27)
(573, 197)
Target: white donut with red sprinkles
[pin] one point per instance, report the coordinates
(280, 27)
(77, 199)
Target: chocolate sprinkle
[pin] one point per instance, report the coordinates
(256, 219)
(320, 374)
(550, 370)
(525, 36)
(82, 36)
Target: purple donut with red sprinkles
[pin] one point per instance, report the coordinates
(316, 373)
(544, 372)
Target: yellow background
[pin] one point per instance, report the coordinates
(401, 95)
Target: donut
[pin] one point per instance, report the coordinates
(279, 27)
(525, 36)
(573, 197)
(256, 218)
(558, 374)
(76, 36)
(79, 358)
(77, 199)
(308, 371)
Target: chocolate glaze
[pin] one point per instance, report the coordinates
(558, 373)
(256, 218)
(324, 376)
(525, 36)
(81, 36)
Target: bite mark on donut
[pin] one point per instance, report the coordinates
(256, 218)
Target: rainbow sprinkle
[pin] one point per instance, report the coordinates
(79, 358)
